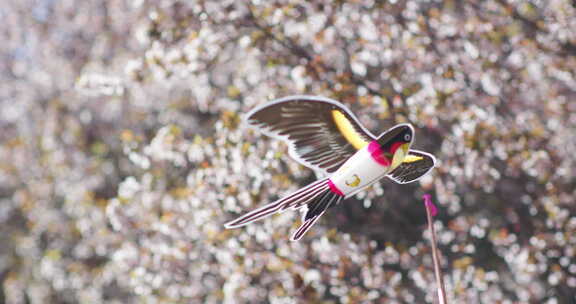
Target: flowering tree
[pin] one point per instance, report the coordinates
(123, 151)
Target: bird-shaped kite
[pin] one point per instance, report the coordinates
(323, 135)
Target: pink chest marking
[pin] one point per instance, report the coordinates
(334, 189)
(377, 154)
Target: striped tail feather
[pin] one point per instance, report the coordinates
(294, 201)
(316, 209)
(317, 197)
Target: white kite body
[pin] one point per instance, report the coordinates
(365, 167)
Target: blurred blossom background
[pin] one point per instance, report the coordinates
(123, 150)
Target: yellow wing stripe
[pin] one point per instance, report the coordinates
(347, 130)
(412, 158)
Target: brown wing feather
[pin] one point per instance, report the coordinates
(414, 166)
(321, 132)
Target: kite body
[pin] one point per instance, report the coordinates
(324, 135)
(364, 168)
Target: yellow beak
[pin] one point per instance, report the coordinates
(399, 155)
